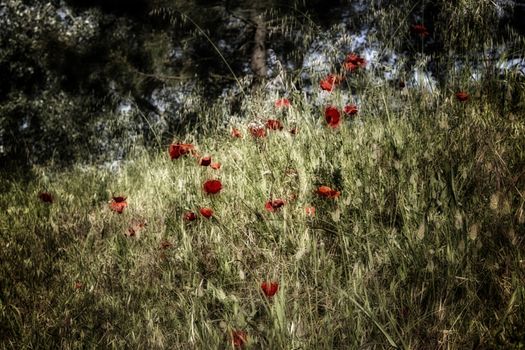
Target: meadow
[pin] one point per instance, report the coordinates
(391, 222)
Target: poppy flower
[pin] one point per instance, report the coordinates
(206, 212)
(77, 285)
(327, 192)
(176, 150)
(273, 205)
(274, 124)
(282, 102)
(212, 186)
(310, 211)
(189, 216)
(462, 96)
(45, 197)
(205, 161)
(239, 338)
(332, 116)
(330, 82)
(118, 204)
(270, 288)
(236, 133)
(419, 29)
(215, 165)
(257, 131)
(350, 109)
(353, 62)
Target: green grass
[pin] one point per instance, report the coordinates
(423, 249)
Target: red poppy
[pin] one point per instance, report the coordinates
(462, 96)
(273, 205)
(77, 285)
(353, 62)
(206, 212)
(212, 186)
(270, 288)
(205, 161)
(257, 131)
(419, 29)
(330, 82)
(310, 211)
(332, 116)
(118, 204)
(165, 244)
(282, 102)
(350, 109)
(274, 124)
(236, 133)
(327, 192)
(45, 197)
(189, 216)
(215, 165)
(239, 338)
(177, 150)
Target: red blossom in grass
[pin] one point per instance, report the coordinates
(270, 288)
(176, 150)
(273, 205)
(239, 338)
(419, 29)
(273, 124)
(350, 109)
(330, 82)
(45, 197)
(353, 62)
(205, 161)
(77, 285)
(215, 165)
(236, 133)
(257, 131)
(206, 212)
(310, 211)
(118, 204)
(327, 192)
(282, 102)
(212, 186)
(462, 96)
(190, 216)
(332, 116)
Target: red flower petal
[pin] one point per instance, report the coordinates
(212, 186)
(239, 338)
(273, 205)
(189, 216)
(330, 82)
(353, 62)
(177, 150)
(236, 133)
(274, 124)
(270, 288)
(118, 204)
(310, 211)
(257, 131)
(462, 96)
(205, 161)
(206, 212)
(282, 102)
(350, 109)
(215, 165)
(327, 192)
(332, 116)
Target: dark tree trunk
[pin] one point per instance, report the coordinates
(258, 61)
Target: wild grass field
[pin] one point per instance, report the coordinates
(399, 226)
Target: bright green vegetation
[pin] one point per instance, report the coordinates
(424, 248)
